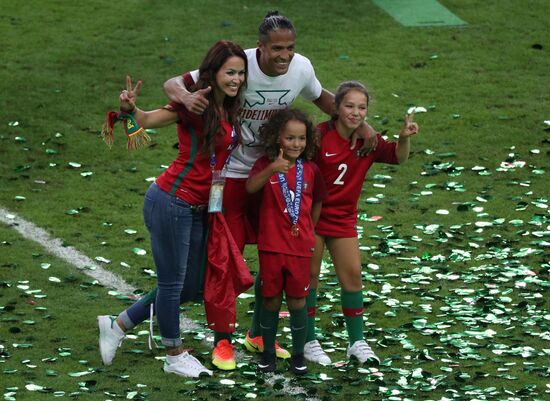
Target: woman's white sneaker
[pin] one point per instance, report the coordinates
(314, 353)
(362, 351)
(110, 338)
(187, 366)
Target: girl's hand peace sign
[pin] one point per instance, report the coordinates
(129, 95)
(410, 127)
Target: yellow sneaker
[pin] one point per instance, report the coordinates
(256, 344)
(223, 356)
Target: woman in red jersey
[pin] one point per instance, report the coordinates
(344, 172)
(176, 204)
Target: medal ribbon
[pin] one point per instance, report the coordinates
(230, 149)
(293, 208)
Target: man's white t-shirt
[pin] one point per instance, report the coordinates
(262, 97)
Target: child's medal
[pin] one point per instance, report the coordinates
(293, 207)
(215, 201)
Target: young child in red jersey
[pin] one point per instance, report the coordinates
(344, 172)
(292, 192)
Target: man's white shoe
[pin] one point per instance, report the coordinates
(361, 350)
(314, 353)
(187, 366)
(110, 338)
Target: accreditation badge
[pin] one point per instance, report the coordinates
(216, 192)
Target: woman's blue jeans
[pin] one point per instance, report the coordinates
(178, 236)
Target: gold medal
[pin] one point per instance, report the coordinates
(294, 230)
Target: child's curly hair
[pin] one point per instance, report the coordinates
(271, 130)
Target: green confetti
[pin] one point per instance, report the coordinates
(80, 374)
(139, 251)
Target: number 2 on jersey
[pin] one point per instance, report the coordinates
(339, 180)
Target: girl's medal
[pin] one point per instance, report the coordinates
(293, 207)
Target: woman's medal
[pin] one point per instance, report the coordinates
(293, 206)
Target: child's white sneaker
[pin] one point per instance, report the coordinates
(362, 351)
(187, 366)
(110, 338)
(314, 353)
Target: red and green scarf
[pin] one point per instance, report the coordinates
(137, 136)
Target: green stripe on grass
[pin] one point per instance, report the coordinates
(419, 13)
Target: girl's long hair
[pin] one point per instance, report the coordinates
(342, 90)
(216, 56)
(271, 130)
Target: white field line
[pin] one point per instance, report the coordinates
(69, 254)
(88, 266)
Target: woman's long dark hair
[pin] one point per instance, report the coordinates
(217, 55)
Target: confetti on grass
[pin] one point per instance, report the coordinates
(416, 109)
(139, 251)
(455, 304)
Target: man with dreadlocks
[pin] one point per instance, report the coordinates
(276, 77)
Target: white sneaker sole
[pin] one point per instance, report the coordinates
(101, 324)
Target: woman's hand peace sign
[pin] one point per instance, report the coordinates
(129, 95)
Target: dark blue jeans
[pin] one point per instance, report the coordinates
(178, 238)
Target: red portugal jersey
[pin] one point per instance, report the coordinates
(274, 234)
(189, 177)
(344, 172)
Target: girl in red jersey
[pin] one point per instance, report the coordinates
(344, 172)
(175, 205)
(292, 192)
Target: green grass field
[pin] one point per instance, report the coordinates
(455, 242)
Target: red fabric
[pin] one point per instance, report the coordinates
(352, 312)
(279, 272)
(107, 129)
(241, 211)
(274, 233)
(111, 118)
(344, 174)
(189, 176)
(227, 276)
